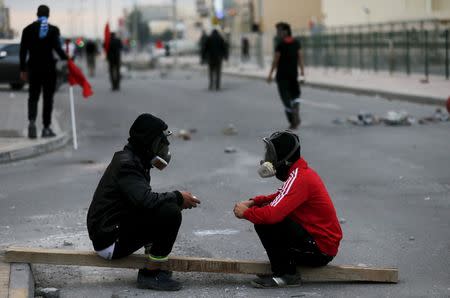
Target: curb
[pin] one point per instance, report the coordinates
(35, 149)
(419, 99)
(21, 281)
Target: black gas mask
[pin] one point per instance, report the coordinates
(279, 148)
(160, 151)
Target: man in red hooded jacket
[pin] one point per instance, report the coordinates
(297, 225)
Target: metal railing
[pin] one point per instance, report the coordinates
(408, 47)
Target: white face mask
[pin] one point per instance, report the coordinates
(266, 170)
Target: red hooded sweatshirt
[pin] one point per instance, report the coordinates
(304, 199)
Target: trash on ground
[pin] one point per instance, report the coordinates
(438, 116)
(184, 134)
(47, 292)
(338, 121)
(230, 130)
(427, 199)
(411, 238)
(398, 118)
(67, 243)
(193, 130)
(363, 119)
(342, 220)
(230, 150)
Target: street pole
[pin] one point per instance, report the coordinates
(260, 35)
(175, 34)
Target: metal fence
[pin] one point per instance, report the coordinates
(408, 47)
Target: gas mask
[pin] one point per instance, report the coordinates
(268, 167)
(160, 149)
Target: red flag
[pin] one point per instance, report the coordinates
(76, 77)
(107, 38)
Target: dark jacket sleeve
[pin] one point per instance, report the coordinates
(57, 45)
(135, 187)
(24, 47)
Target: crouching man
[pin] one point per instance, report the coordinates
(297, 225)
(125, 214)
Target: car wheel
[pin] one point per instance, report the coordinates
(17, 86)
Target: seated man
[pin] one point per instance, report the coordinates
(297, 225)
(125, 214)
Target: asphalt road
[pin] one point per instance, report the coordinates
(390, 184)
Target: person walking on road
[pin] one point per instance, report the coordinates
(297, 225)
(91, 55)
(201, 46)
(38, 67)
(215, 52)
(126, 214)
(287, 59)
(114, 61)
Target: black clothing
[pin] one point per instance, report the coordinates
(214, 52)
(289, 91)
(245, 48)
(287, 68)
(41, 79)
(215, 48)
(158, 226)
(41, 67)
(122, 194)
(39, 51)
(215, 72)
(91, 52)
(114, 60)
(114, 51)
(91, 48)
(145, 128)
(288, 245)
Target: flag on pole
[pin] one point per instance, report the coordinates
(107, 38)
(76, 77)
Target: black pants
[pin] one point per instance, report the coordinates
(114, 75)
(289, 91)
(45, 80)
(215, 70)
(158, 227)
(287, 245)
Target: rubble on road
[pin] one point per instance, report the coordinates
(230, 130)
(400, 118)
(438, 116)
(47, 292)
(184, 134)
(364, 119)
(230, 150)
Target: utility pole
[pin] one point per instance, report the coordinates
(260, 35)
(175, 34)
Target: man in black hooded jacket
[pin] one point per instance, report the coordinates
(215, 51)
(125, 214)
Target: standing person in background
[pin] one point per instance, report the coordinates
(287, 59)
(245, 49)
(91, 53)
(39, 39)
(215, 52)
(201, 47)
(114, 59)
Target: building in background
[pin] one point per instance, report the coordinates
(356, 12)
(5, 28)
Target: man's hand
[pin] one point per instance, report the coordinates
(24, 76)
(189, 201)
(240, 208)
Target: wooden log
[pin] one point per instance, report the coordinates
(193, 264)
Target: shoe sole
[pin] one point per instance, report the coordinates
(159, 289)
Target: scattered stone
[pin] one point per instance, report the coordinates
(342, 220)
(411, 238)
(401, 118)
(230, 130)
(230, 150)
(47, 292)
(67, 243)
(12, 207)
(427, 199)
(362, 265)
(338, 121)
(438, 116)
(193, 130)
(184, 135)
(364, 119)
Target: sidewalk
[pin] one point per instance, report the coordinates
(397, 86)
(14, 144)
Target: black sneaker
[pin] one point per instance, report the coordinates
(271, 281)
(48, 133)
(156, 280)
(32, 132)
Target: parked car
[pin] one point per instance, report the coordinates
(10, 66)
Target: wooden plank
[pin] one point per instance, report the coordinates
(193, 264)
(5, 270)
